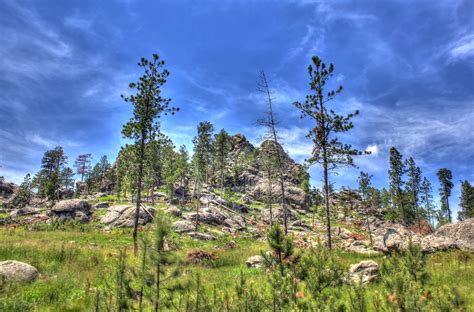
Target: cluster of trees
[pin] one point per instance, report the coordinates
(410, 195)
(55, 180)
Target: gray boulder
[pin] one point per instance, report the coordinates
(174, 211)
(15, 271)
(254, 261)
(202, 236)
(184, 226)
(364, 272)
(71, 209)
(123, 216)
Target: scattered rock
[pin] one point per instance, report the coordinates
(202, 236)
(364, 272)
(344, 233)
(102, 205)
(254, 261)
(184, 226)
(16, 271)
(196, 256)
(174, 211)
(123, 216)
(362, 248)
(24, 211)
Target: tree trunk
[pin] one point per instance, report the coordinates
(139, 194)
(157, 299)
(326, 191)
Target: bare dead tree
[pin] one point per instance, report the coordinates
(270, 122)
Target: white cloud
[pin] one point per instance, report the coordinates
(373, 149)
(463, 48)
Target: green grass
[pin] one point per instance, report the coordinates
(72, 260)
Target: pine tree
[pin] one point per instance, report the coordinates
(385, 198)
(24, 195)
(48, 179)
(166, 266)
(466, 201)
(221, 150)
(201, 160)
(204, 148)
(427, 199)
(83, 165)
(170, 173)
(149, 106)
(327, 150)
(445, 176)
(183, 169)
(396, 172)
(67, 178)
(364, 187)
(413, 186)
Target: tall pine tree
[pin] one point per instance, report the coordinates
(327, 151)
(148, 107)
(413, 192)
(395, 174)
(445, 176)
(466, 201)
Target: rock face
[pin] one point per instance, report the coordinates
(364, 272)
(254, 262)
(71, 209)
(253, 176)
(459, 235)
(15, 271)
(123, 216)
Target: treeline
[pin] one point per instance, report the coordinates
(409, 198)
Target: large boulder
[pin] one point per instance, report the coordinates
(15, 271)
(208, 216)
(364, 272)
(459, 235)
(7, 189)
(71, 209)
(123, 216)
(462, 230)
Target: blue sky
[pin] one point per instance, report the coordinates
(408, 66)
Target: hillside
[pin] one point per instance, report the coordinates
(217, 235)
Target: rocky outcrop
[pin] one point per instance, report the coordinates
(123, 216)
(71, 209)
(253, 176)
(391, 237)
(7, 189)
(15, 271)
(363, 272)
(459, 235)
